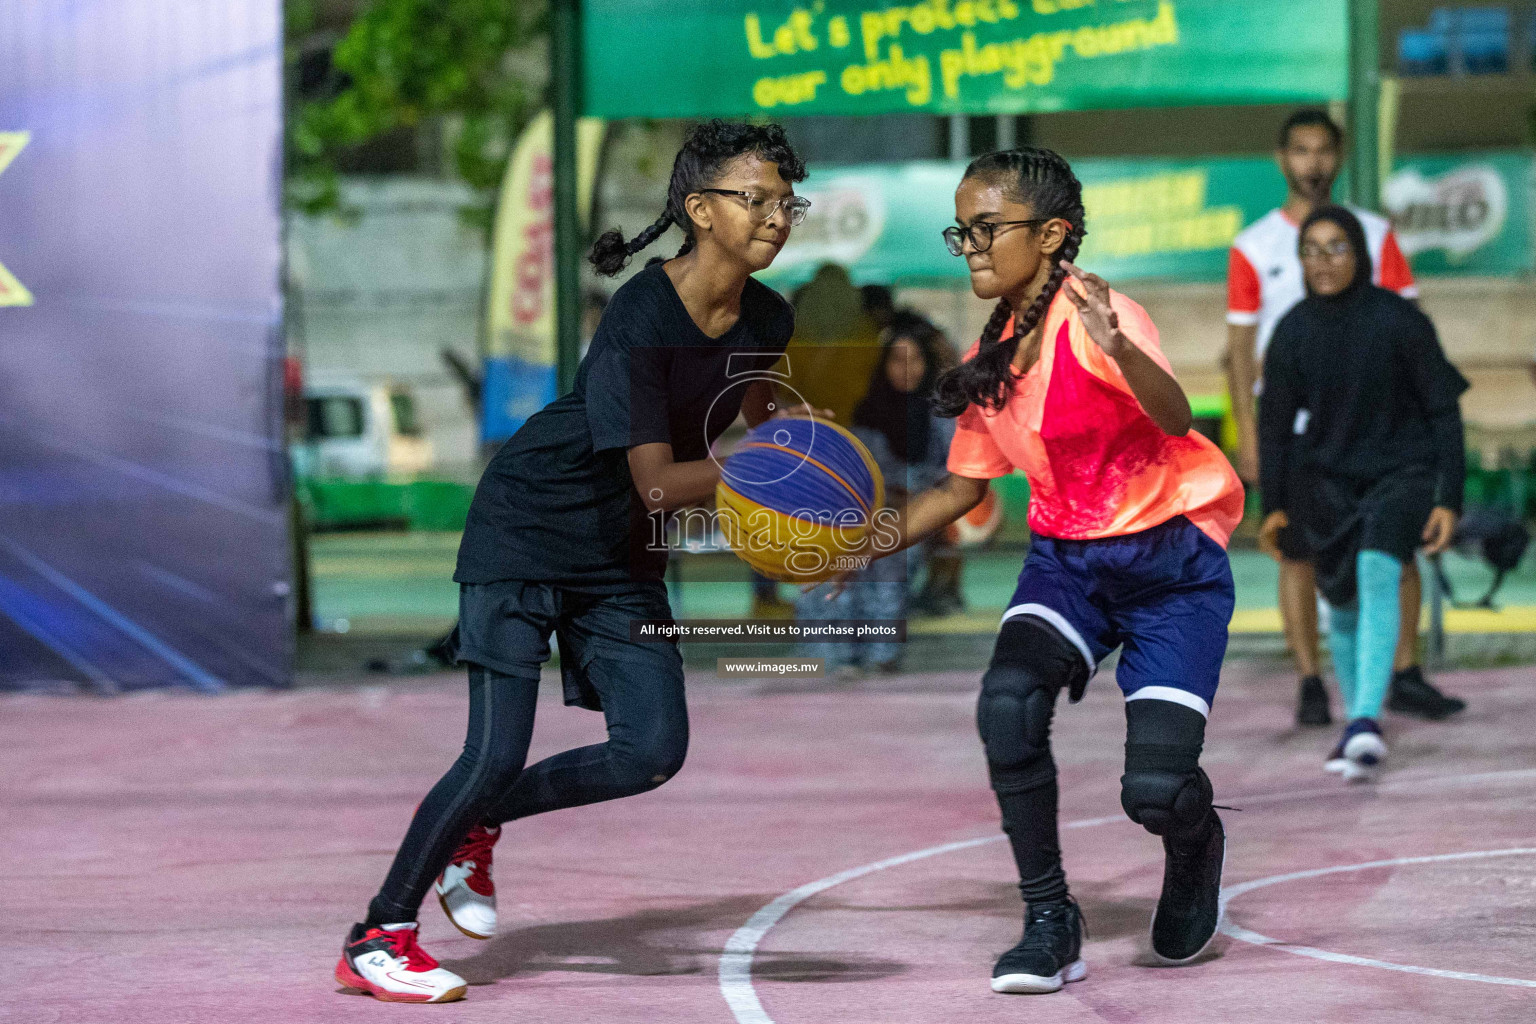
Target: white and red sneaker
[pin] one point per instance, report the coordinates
(388, 964)
(465, 888)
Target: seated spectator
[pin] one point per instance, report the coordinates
(911, 445)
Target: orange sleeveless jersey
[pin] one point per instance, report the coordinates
(1097, 464)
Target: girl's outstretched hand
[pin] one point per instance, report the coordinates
(860, 557)
(1090, 294)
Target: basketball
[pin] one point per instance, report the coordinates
(796, 496)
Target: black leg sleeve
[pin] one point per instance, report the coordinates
(501, 709)
(1030, 665)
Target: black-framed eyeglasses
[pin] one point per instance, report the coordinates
(761, 209)
(980, 234)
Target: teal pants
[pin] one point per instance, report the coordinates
(1363, 635)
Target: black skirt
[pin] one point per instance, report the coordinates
(1342, 516)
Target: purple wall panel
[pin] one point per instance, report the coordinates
(143, 483)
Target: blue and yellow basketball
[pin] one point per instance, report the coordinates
(797, 494)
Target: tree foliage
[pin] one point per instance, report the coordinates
(410, 64)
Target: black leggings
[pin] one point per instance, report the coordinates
(647, 741)
(1030, 665)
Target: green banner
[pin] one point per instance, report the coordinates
(1146, 219)
(663, 58)
(1162, 219)
(1466, 213)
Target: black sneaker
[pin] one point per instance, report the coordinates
(1411, 694)
(1049, 954)
(1190, 908)
(1312, 702)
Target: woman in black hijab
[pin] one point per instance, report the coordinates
(898, 409)
(896, 405)
(1361, 441)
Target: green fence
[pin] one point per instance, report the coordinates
(339, 504)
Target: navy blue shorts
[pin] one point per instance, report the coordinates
(1164, 594)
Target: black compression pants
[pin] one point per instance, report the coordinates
(647, 741)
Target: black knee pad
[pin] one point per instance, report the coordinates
(1164, 789)
(1030, 643)
(1166, 802)
(1018, 696)
(1013, 716)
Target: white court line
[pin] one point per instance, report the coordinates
(1245, 935)
(736, 959)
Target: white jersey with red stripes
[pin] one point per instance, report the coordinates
(1264, 272)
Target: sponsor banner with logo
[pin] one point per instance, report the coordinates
(1465, 213)
(1159, 219)
(520, 376)
(778, 58)
(1146, 219)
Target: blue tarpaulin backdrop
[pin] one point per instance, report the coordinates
(143, 489)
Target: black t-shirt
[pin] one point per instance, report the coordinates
(557, 503)
(1378, 391)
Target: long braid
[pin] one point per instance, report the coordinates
(1044, 181)
(1038, 309)
(950, 396)
(709, 147)
(610, 253)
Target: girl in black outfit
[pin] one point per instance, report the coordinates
(563, 537)
(1361, 437)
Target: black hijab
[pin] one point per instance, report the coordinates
(1381, 396)
(903, 416)
(1350, 225)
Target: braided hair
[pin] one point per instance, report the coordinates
(709, 147)
(1044, 181)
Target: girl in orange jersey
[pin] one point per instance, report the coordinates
(1130, 514)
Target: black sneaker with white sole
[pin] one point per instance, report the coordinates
(1190, 908)
(1336, 762)
(1049, 954)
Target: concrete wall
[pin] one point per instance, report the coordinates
(382, 296)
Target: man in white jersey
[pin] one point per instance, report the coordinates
(1264, 281)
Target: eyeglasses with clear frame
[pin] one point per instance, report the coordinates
(980, 234)
(761, 209)
(1334, 251)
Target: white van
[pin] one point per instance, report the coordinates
(360, 430)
